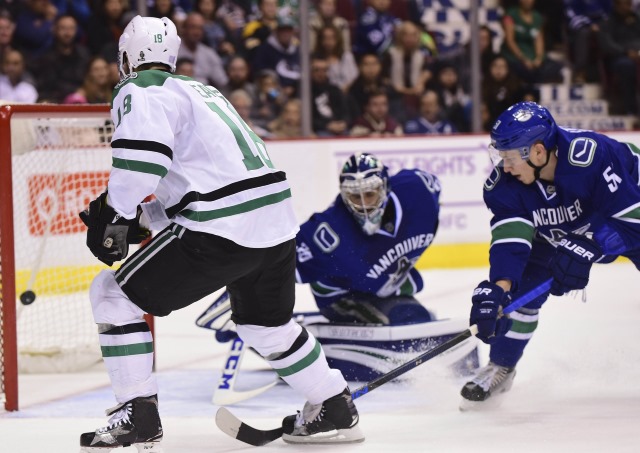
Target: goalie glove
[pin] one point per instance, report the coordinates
(108, 233)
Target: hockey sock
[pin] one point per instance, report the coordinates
(507, 350)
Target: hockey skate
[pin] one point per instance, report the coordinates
(135, 422)
(491, 380)
(335, 421)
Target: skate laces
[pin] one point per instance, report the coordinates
(491, 375)
(121, 415)
(310, 413)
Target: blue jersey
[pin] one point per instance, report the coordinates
(596, 193)
(339, 259)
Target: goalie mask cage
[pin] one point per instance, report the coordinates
(54, 159)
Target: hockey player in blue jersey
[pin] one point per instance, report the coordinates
(562, 199)
(359, 258)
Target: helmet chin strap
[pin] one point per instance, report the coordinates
(536, 168)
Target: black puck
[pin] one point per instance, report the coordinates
(27, 297)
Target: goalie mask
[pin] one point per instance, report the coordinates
(148, 40)
(363, 188)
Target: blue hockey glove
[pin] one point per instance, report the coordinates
(572, 262)
(487, 300)
(108, 233)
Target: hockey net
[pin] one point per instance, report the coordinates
(53, 161)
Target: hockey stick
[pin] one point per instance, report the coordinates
(213, 318)
(234, 427)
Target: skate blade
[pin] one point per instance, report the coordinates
(146, 447)
(341, 436)
(492, 403)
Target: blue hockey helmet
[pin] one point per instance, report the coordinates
(520, 127)
(364, 190)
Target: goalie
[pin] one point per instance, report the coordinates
(359, 258)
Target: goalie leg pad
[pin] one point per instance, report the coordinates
(125, 339)
(297, 357)
(364, 352)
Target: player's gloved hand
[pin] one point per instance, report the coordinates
(487, 300)
(572, 262)
(108, 233)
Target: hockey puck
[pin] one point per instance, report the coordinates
(27, 297)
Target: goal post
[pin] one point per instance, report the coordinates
(54, 159)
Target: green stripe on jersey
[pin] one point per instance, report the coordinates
(633, 214)
(127, 349)
(139, 166)
(634, 149)
(301, 364)
(204, 216)
(146, 79)
(512, 230)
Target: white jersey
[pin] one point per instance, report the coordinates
(185, 143)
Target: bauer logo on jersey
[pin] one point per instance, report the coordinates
(326, 238)
(581, 151)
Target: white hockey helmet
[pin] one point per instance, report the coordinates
(148, 40)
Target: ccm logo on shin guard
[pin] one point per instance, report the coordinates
(580, 251)
(231, 367)
(479, 291)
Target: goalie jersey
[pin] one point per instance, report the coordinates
(339, 260)
(185, 143)
(595, 193)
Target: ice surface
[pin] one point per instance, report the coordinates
(577, 388)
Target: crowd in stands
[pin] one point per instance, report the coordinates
(377, 67)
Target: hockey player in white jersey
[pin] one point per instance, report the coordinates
(228, 221)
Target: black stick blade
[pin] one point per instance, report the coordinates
(234, 427)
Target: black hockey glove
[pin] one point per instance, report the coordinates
(571, 264)
(108, 233)
(486, 301)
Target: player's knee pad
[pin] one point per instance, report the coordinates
(110, 304)
(269, 341)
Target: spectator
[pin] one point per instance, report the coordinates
(233, 18)
(342, 65)
(376, 121)
(431, 119)
(456, 101)
(33, 35)
(269, 98)
(242, 102)
(106, 25)
(328, 103)
(620, 44)
(584, 17)
(208, 68)
(215, 34)
(13, 87)
(500, 88)
(238, 75)
(368, 81)
(281, 53)
(257, 31)
(325, 15)
(289, 123)
(166, 8)
(374, 31)
(7, 28)
(96, 87)
(80, 10)
(60, 71)
(184, 67)
(407, 68)
(524, 45)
